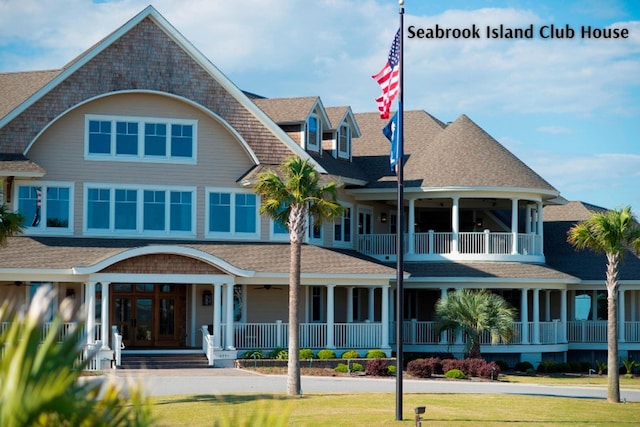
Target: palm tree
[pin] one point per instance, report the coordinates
(473, 313)
(10, 224)
(289, 202)
(612, 233)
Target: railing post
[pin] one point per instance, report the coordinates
(487, 241)
(431, 238)
(414, 330)
(279, 333)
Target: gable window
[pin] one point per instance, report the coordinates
(46, 206)
(342, 227)
(344, 141)
(141, 139)
(313, 133)
(135, 211)
(232, 214)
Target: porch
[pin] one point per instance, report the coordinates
(457, 228)
(434, 246)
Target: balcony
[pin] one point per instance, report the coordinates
(437, 246)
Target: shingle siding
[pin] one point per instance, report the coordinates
(145, 58)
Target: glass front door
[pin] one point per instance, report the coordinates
(148, 315)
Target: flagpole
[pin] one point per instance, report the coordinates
(400, 225)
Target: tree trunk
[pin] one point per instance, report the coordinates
(613, 377)
(296, 235)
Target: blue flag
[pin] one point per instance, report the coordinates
(391, 132)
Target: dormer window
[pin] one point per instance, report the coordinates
(344, 141)
(313, 133)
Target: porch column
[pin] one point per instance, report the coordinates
(384, 317)
(90, 301)
(634, 306)
(524, 315)
(443, 334)
(229, 335)
(540, 230)
(371, 314)
(349, 304)
(547, 305)
(563, 314)
(514, 226)
(536, 316)
(105, 330)
(455, 224)
(217, 315)
(621, 316)
(193, 328)
(331, 316)
(412, 226)
(594, 304)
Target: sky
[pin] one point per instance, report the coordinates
(569, 107)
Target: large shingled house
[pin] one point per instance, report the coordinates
(134, 165)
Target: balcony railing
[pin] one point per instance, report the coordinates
(485, 243)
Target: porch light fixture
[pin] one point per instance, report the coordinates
(206, 297)
(383, 217)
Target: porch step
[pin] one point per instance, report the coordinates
(164, 361)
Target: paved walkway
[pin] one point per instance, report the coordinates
(162, 382)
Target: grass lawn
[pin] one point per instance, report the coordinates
(378, 409)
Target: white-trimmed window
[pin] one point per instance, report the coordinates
(232, 214)
(131, 210)
(46, 206)
(314, 232)
(278, 231)
(144, 139)
(344, 141)
(342, 227)
(313, 133)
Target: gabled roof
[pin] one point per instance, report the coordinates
(287, 110)
(47, 82)
(17, 165)
(338, 115)
(17, 87)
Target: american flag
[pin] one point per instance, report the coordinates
(388, 78)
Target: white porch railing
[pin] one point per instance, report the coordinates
(441, 243)
(311, 335)
(207, 344)
(587, 331)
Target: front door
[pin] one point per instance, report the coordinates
(149, 315)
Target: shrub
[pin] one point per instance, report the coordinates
(449, 364)
(350, 354)
(306, 354)
(436, 365)
(357, 367)
(420, 368)
(392, 369)
(548, 366)
(253, 354)
(455, 373)
(563, 367)
(502, 365)
(376, 354)
(376, 367)
(523, 366)
(277, 353)
(341, 367)
(326, 354)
